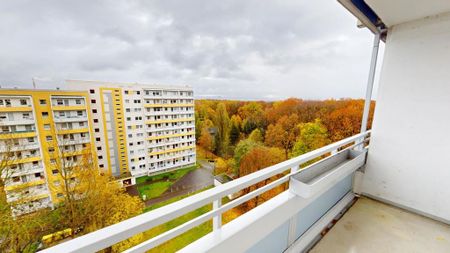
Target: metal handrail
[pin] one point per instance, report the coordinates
(110, 235)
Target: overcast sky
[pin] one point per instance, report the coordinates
(239, 49)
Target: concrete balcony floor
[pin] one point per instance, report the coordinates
(371, 226)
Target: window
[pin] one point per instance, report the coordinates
(94, 110)
(62, 114)
(91, 91)
(55, 171)
(45, 114)
(23, 102)
(100, 157)
(51, 149)
(81, 124)
(97, 130)
(42, 101)
(99, 148)
(78, 101)
(31, 140)
(95, 120)
(49, 138)
(36, 175)
(47, 126)
(101, 165)
(8, 102)
(25, 115)
(126, 92)
(97, 139)
(138, 92)
(93, 101)
(79, 113)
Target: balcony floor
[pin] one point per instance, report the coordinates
(372, 226)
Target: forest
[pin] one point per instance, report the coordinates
(245, 136)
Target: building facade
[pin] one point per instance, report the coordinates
(140, 129)
(39, 128)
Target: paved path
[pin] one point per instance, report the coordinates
(193, 181)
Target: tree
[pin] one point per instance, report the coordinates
(242, 148)
(283, 134)
(19, 231)
(281, 108)
(259, 158)
(313, 135)
(222, 122)
(253, 116)
(206, 141)
(235, 130)
(256, 136)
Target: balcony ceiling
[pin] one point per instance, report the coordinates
(400, 11)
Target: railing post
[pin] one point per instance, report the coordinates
(293, 220)
(217, 220)
(369, 89)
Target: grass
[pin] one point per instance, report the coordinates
(172, 175)
(154, 186)
(154, 190)
(190, 236)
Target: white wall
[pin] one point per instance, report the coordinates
(409, 158)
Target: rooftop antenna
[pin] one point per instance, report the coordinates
(34, 83)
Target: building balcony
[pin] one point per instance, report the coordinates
(15, 122)
(72, 130)
(68, 107)
(22, 108)
(149, 105)
(20, 147)
(71, 119)
(17, 134)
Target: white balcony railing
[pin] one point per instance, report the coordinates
(121, 231)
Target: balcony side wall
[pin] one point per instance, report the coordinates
(408, 162)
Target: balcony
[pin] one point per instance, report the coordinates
(15, 122)
(316, 194)
(71, 119)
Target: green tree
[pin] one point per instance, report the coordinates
(242, 148)
(256, 135)
(313, 135)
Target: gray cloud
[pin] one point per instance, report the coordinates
(249, 49)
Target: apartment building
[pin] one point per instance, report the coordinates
(140, 129)
(37, 129)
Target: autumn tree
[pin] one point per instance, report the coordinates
(282, 108)
(283, 134)
(252, 115)
(313, 135)
(235, 129)
(222, 123)
(20, 231)
(242, 148)
(256, 159)
(256, 135)
(206, 141)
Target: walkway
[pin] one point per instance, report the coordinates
(193, 181)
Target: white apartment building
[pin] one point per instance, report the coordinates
(141, 129)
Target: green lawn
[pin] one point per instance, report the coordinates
(154, 190)
(173, 175)
(161, 182)
(190, 236)
(186, 238)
